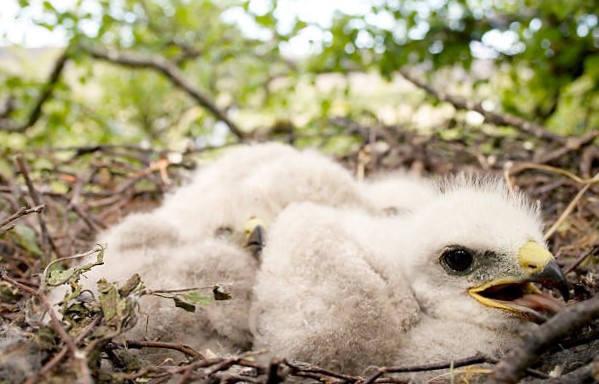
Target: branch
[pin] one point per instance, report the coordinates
(171, 72)
(56, 359)
(476, 359)
(302, 369)
(511, 368)
(84, 376)
(20, 213)
(138, 344)
(583, 374)
(47, 241)
(47, 90)
(491, 117)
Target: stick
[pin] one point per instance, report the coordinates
(512, 367)
(84, 375)
(172, 73)
(47, 241)
(491, 117)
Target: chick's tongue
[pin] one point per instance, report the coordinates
(541, 302)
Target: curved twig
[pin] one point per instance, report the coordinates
(171, 72)
(44, 96)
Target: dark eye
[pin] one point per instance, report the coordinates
(457, 259)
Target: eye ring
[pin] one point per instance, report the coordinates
(457, 259)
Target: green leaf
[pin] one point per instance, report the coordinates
(49, 7)
(56, 277)
(27, 238)
(109, 297)
(197, 298)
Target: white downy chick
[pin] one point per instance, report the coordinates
(256, 181)
(345, 290)
(151, 248)
(193, 238)
(398, 192)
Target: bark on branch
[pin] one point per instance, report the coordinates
(172, 73)
(45, 94)
(494, 118)
(511, 368)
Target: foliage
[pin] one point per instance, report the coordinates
(240, 54)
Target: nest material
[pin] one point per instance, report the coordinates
(55, 202)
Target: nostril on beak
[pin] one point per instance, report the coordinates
(533, 258)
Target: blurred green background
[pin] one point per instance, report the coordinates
(272, 66)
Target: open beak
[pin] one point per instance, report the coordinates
(521, 295)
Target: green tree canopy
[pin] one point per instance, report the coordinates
(165, 70)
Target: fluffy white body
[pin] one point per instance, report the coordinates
(347, 290)
(258, 181)
(399, 192)
(196, 239)
(339, 282)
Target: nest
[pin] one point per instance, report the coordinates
(55, 201)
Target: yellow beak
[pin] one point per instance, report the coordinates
(533, 258)
(537, 265)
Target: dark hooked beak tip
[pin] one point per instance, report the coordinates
(552, 277)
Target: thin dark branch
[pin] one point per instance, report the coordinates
(171, 72)
(47, 241)
(80, 356)
(20, 213)
(44, 96)
(581, 375)
(523, 125)
(476, 359)
(512, 367)
(138, 344)
(594, 250)
(56, 359)
(309, 370)
(572, 144)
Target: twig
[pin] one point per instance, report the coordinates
(476, 359)
(517, 168)
(587, 183)
(138, 344)
(309, 370)
(20, 213)
(591, 251)
(512, 367)
(47, 241)
(84, 375)
(578, 376)
(44, 279)
(491, 117)
(572, 144)
(566, 212)
(46, 92)
(34, 378)
(169, 70)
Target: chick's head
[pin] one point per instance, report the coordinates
(475, 253)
